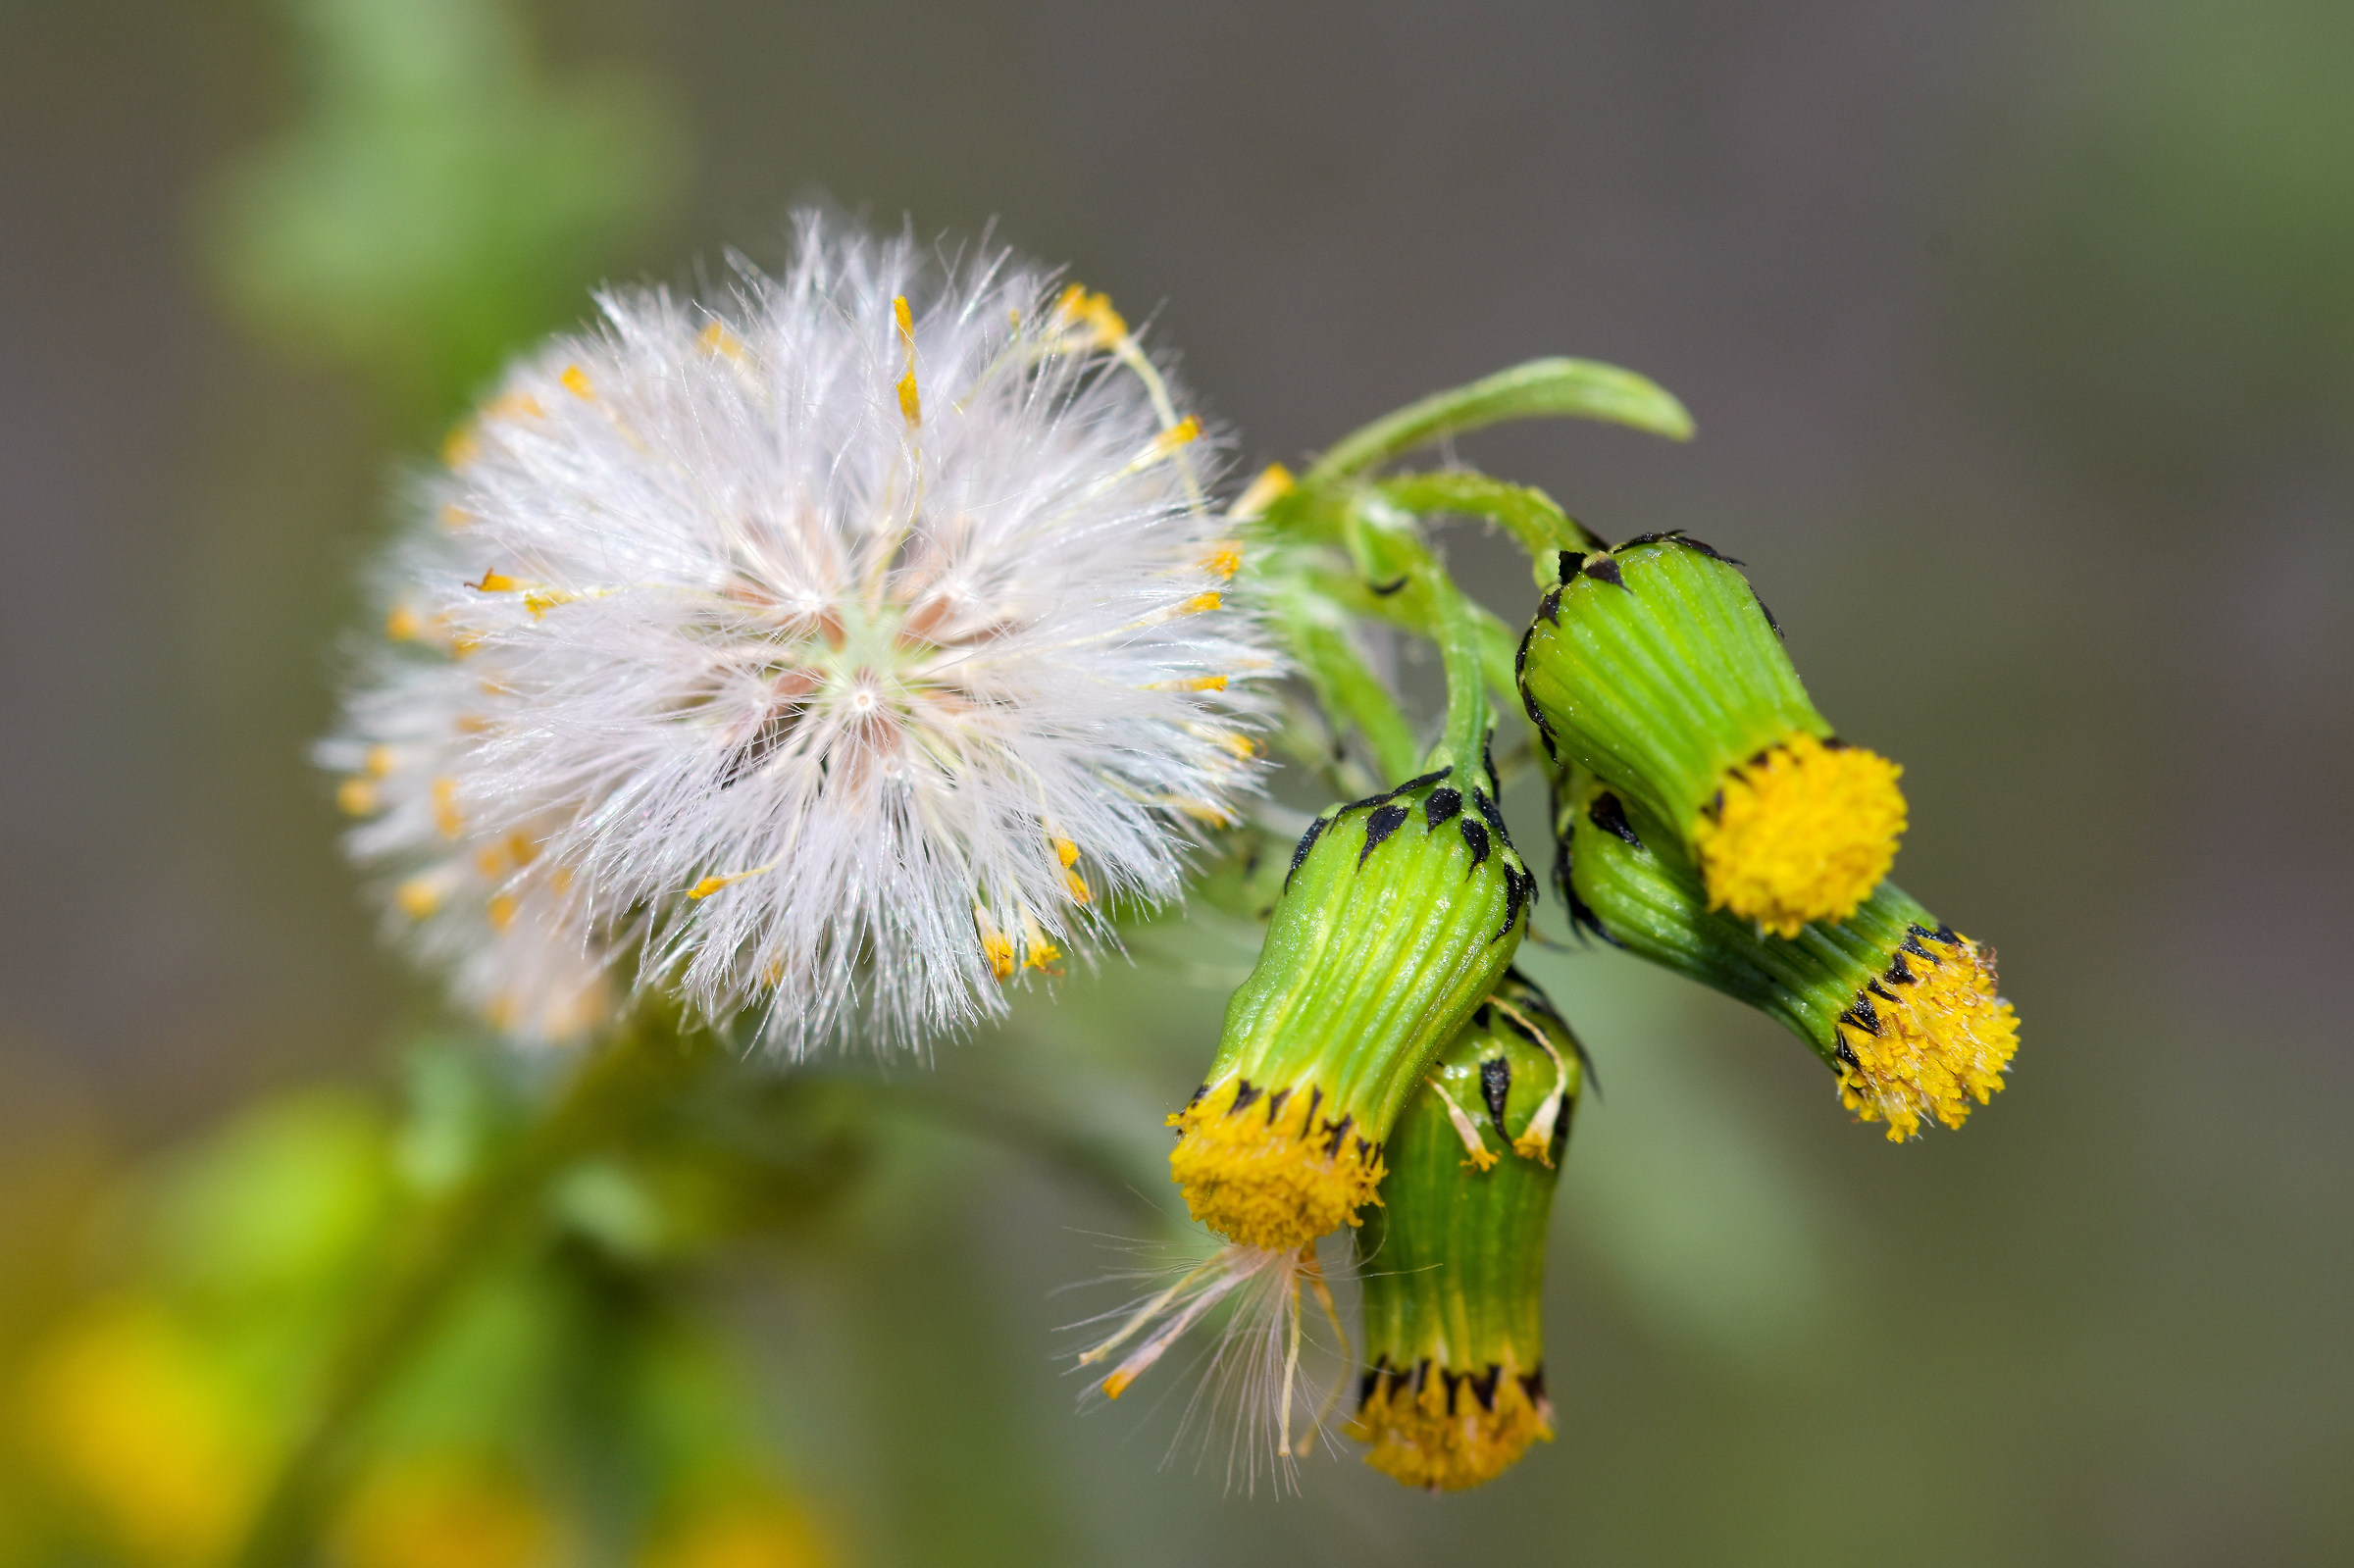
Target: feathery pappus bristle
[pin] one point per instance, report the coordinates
(1273, 1372)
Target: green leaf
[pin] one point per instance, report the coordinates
(1542, 389)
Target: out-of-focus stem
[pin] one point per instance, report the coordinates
(611, 1093)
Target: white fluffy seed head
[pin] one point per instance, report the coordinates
(842, 647)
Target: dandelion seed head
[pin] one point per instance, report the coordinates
(859, 637)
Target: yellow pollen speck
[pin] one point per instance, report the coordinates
(402, 624)
(492, 860)
(576, 382)
(1207, 812)
(547, 599)
(1804, 832)
(1242, 745)
(711, 884)
(1927, 1039)
(1183, 432)
(1038, 950)
(447, 815)
(1224, 561)
(510, 405)
(911, 404)
(356, 797)
(1204, 682)
(996, 950)
(1201, 603)
(494, 583)
(459, 447)
(1440, 1435)
(1077, 308)
(417, 897)
(465, 644)
(1254, 1168)
(502, 911)
(717, 339)
(1274, 482)
(379, 760)
(454, 516)
(1073, 883)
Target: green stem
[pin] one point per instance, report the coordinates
(609, 1094)
(1385, 539)
(1529, 515)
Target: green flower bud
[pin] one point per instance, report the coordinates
(1452, 1266)
(1900, 1006)
(1654, 667)
(1397, 918)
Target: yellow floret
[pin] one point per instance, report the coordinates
(1270, 1169)
(1430, 1427)
(1927, 1038)
(1805, 832)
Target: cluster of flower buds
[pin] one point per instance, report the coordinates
(1708, 820)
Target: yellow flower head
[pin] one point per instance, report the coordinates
(1270, 1169)
(1928, 1037)
(1803, 832)
(1449, 1431)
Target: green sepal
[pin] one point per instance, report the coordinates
(1398, 916)
(1453, 1262)
(1654, 667)
(1627, 881)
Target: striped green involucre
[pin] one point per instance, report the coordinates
(1453, 1263)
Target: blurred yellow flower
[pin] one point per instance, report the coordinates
(745, 1530)
(447, 1512)
(140, 1426)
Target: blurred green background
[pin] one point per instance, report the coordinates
(2020, 337)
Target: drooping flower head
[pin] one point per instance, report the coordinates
(1655, 666)
(1452, 1265)
(1398, 916)
(841, 645)
(1899, 1004)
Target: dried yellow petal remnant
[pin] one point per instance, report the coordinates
(1805, 832)
(1448, 1429)
(1268, 1169)
(1274, 482)
(1927, 1039)
(447, 815)
(717, 339)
